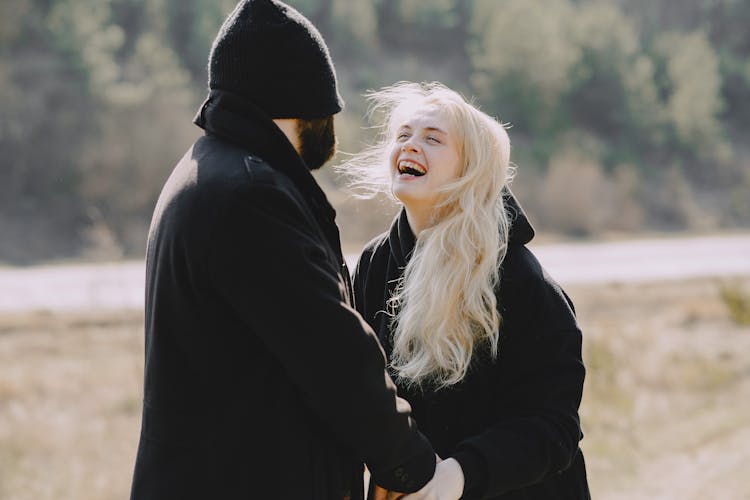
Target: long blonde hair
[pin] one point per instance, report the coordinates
(445, 304)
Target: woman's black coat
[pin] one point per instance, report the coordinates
(512, 423)
(261, 381)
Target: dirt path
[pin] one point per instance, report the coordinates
(119, 285)
(704, 455)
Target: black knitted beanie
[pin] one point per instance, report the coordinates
(272, 55)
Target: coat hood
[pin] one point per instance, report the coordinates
(521, 230)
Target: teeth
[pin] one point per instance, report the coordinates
(406, 165)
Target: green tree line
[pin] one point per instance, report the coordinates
(625, 115)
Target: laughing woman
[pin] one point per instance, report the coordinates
(480, 340)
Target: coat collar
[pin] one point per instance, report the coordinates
(239, 121)
(401, 238)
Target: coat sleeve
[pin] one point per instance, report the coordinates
(271, 267)
(541, 382)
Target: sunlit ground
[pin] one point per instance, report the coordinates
(666, 409)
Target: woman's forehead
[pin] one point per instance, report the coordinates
(421, 114)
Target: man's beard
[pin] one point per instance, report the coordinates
(317, 141)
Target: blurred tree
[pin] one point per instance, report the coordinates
(523, 58)
(437, 31)
(44, 90)
(349, 26)
(190, 27)
(657, 16)
(145, 104)
(103, 92)
(726, 23)
(130, 16)
(612, 89)
(319, 12)
(729, 34)
(12, 16)
(690, 84)
(354, 28)
(652, 96)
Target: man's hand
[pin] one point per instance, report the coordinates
(446, 484)
(383, 494)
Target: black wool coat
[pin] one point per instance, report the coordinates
(512, 423)
(261, 380)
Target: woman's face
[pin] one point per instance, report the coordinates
(425, 156)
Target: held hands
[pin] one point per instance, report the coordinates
(446, 484)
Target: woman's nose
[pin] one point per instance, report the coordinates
(409, 145)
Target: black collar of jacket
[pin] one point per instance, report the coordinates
(239, 121)
(402, 240)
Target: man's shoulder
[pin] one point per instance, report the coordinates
(224, 164)
(217, 180)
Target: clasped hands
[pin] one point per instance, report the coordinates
(446, 484)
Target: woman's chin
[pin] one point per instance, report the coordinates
(406, 196)
(415, 203)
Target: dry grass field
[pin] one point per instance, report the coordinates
(666, 410)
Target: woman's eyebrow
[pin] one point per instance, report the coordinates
(431, 128)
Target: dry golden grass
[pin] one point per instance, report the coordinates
(70, 394)
(666, 408)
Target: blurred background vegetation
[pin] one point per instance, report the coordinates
(627, 115)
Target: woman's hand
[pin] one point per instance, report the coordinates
(446, 484)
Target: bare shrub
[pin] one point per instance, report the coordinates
(627, 213)
(124, 167)
(673, 204)
(574, 196)
(737, 302)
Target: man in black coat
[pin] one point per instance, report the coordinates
(261, 381)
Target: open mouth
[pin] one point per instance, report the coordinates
(411, 168)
